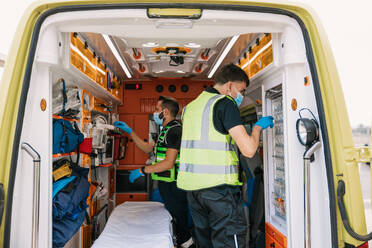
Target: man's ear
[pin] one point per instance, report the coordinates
(161, 115)
(228, 86)
(166, 112)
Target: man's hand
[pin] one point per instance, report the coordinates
(134, 175)
(265, 122)
(123, 126)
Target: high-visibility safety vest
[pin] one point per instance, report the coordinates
(160, 154)
(207, 157)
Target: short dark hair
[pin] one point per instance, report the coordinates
(231, 73)
(170, 103)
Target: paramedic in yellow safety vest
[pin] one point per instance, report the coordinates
(165, 167)
(211, 128)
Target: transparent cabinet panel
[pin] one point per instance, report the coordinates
(275, 159)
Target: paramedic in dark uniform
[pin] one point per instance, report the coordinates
(211, 129)
(165, 167)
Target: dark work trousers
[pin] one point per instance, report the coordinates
(218, 216)
(175, 202)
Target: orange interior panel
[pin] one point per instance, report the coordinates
(243, 60)
(267, 56)
(255, 66)
(262, 42)
(94, 208)
(164, 50)
(97, 105)
(123, 197)
(100, 77)
(144, 100)
(86, 236)
(129, 153)
(141, 125)
(86, 160)
(78, 61)
(262, 60)
(138, 104)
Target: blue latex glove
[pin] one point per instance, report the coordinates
(134, 175)
(123, 126)
(265, 122)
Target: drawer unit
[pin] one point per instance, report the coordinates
(271, 242)
(275, 235)
(123, 197)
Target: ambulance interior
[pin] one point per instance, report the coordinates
(114, 64)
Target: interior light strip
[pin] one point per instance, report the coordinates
(258, 53)
(86, 59)
(223, 55)
(117, 55)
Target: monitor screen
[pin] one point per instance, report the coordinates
(124, 186)
(109, 149)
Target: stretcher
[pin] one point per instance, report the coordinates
(137, 225)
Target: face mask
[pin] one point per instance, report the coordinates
(239, 99)
(157, 119)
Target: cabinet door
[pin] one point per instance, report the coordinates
(129, 153)
(141, 124)
(120, 198)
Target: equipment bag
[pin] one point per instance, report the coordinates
(66, 137)
(69, 113)
(69, 204)
(64, 229)
(73, 195)
(86, 146)
(61, 169)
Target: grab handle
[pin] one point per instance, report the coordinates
(345, 219)
(36, 191)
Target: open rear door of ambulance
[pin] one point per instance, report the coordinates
(26, 124)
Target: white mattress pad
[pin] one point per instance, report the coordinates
(137, 225)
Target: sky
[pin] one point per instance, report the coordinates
(348, 27)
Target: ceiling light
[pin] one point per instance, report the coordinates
(174, 24)
(117, 55)
(159, 71)
(150, 44)
(223, 55)
(192, 45)
(180, 72)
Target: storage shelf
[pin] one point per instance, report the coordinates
(64, 118)
(60, 155)
(72, 74)
(105, 165)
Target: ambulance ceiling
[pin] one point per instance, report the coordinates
(168, 47)
(165, 57)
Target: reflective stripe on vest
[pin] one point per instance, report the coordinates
(207, 157)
